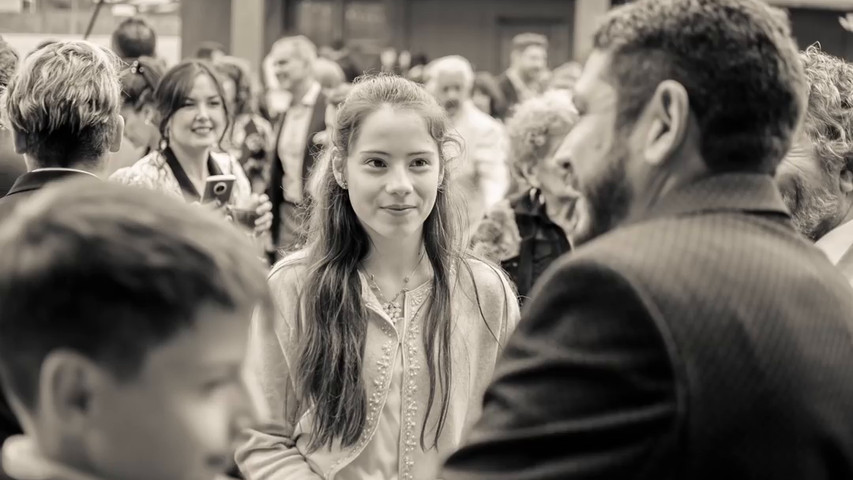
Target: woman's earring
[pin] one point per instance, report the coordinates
(344, 184)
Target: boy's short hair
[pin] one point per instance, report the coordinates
(65, 99)
(111, 272)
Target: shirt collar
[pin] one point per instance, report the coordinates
(310, 97)
(58, 169)
(836, 243)
(22, 460)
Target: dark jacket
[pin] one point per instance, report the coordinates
(275, 190)
(510, 94)
(542, 242)
(707, 341)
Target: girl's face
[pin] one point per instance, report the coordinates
(199, 123)
(393, 172)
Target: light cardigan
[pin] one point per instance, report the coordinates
(276, 450)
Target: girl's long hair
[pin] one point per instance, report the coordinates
(333, 332)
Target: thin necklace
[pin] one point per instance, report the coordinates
(394, 311)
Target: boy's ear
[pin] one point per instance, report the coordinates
(69, 386)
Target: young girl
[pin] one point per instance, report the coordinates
(193, 119)
(385, 332)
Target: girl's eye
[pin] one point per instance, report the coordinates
(375, 163)
(420, 162)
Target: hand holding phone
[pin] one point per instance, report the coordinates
(218, 188)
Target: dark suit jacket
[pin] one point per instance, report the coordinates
(707, 341)
(510, 94)
(275, 190)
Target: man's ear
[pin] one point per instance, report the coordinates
(20, 141)
(69, 384)
(668, 116)
(117, 135)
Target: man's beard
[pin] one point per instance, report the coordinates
(813, 209)
(606, 197)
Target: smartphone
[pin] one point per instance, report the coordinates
(218, 188)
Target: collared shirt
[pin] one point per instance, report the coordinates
(58, 169)
(836, 243)
(22, 460)
(522, 89)
(292, 143)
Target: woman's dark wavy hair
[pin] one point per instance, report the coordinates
(334, 332)
(175, 88)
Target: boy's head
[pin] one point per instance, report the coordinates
(123, 322)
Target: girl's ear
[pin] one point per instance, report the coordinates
(338, 167)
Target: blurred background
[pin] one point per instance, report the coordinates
(480, 30)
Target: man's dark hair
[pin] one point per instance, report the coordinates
(134, 38)
(735, 58)
(112, 272)
(8, 63)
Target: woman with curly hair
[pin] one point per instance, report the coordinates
(530, 229)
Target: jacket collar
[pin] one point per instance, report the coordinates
(732, 192)
(38, 178)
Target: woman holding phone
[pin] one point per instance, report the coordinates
(192, 121)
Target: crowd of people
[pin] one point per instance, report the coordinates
(639, 269)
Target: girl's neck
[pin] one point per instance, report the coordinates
(194, 163)
(394, 258)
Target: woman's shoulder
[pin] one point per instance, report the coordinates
(289, 272)
(488, 280)
(145, 172)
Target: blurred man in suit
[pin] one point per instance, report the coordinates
(291, 64)
(11, 163)
(695, 335)
(816, 177)
(481, 171)
(528, 61)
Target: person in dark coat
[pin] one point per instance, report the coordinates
(530, 229)
(296, 142)
(693, 334)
